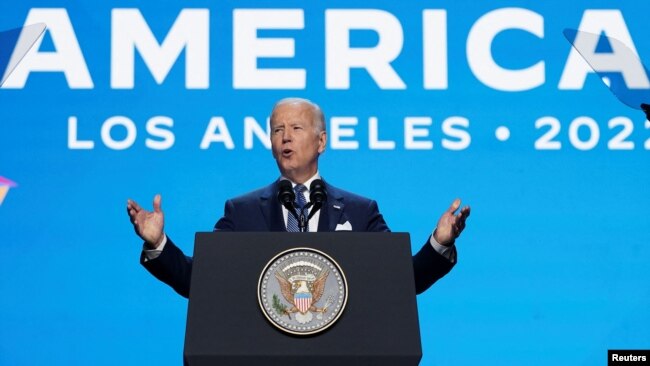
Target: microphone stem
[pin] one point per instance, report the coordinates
(303, 221)
(315, 209)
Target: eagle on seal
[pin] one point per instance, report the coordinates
(303, 295)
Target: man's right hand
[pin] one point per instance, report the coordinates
(148, 225)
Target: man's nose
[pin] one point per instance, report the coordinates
(286, 135)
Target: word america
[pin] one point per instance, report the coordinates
(130, 34)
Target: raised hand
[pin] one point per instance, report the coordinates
(450, 224)
(148, 225)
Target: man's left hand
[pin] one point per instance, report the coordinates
(451, 224)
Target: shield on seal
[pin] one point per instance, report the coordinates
(302, 300)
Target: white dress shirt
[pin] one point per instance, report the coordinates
(313, 222)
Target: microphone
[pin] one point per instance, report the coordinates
(317, 196)
(286, 196)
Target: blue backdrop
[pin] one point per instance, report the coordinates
(553, 265)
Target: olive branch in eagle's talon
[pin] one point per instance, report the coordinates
(279, 307)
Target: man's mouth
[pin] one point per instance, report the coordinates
(287, 153)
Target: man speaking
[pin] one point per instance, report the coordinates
(298, 137)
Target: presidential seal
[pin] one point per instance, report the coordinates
(302, 291)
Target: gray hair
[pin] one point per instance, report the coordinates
(319, 121)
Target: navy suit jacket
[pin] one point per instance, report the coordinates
(260, 210)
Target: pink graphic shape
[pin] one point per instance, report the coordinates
(5, 184)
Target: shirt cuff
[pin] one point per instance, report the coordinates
(448, 252)
(151, 254)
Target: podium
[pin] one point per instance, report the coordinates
(226, 326)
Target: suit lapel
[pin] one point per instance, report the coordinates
(271, 209)
(332, 210)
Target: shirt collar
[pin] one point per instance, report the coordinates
(307, 184)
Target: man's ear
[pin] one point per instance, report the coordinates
(322, 142)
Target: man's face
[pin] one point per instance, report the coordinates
(295, 140)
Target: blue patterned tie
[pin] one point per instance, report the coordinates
(292, 223)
